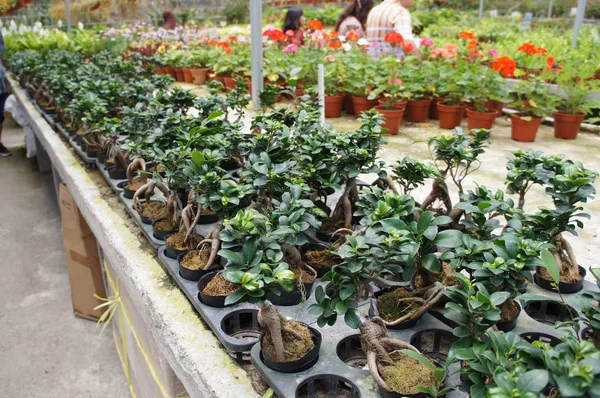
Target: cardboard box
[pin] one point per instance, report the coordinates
(141, 377)
(83, 262)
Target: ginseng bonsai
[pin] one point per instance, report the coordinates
(568, 190)
(411, 174)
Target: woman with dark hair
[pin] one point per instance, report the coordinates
(294, 19)
(169, 20)
(354, 17)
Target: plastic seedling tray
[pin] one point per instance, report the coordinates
(113, 183)
(146, 228)
(330, 366)
(91, 162)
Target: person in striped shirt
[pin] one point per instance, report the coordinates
(390, 16)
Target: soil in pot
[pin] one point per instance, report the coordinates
(480, 120)
(219, 286)
(152, 210)
(137, 184)
(165, 225)
(566, 125)
(509, 310)
(406, 373)
(321, 258)
(447, 277)
(177, 241)
(195, 260)
(333, 106)
(392, 304)
(524, 130)
(571, 276)
(417, 111)
(295, 348)
(393, 118)
(450, 116)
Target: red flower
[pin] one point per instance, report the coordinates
(335, 44)
(227, 50)
(314, 25)
(223, 44)
(275, 35)
(472, 44)
(531, 49)
(233, 39)
(542, 50)
(408, 47)
(505, 65)
(352, 36)
(394, 38)
(332, 35)
(465, 34)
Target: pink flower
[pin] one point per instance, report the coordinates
(451, 47)
(427, 43)
(376, 45)
(475, 54)
(493, 53)
(330, 58)
(396, 81)
(291, 48)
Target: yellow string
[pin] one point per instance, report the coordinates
(113, 303)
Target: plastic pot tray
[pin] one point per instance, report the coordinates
(113, 183)
(146, 228)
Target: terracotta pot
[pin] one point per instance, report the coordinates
(463, 108)
(159, 70)
(362, 104)
(450, 116)
(494, 106)
(397, 104)
(524, 130)
(229, 82)
(348, 104)
(480, 120)
(179, 76)
(333, 105)
(418, 110)
(199, 75)
(433, 109)
(566, 125)
(393, 118)
(187, 75)
(299, 92)
(219, 78)
(171, 71)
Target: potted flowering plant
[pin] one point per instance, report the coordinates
(533, 102)
(485, 90)
(419, 85)
(334, 80)
(394, 93)
(454, 86)
(361, 69)
(576, 84)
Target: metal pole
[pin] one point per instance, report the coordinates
(257, 51)
(578, 20)
(321, 87)
(480, 9)
(68, 14)
(550, 9)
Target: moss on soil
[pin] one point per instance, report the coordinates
(509, 310)
(137, 184)
(332, 226)
(571, 276)
(165, 225)
(196, 259)
(407, 373)
(219, 286)
(177, 241)
(294, 349)
(321, 258)
(152, 210)
(301, 274)
(390, 308)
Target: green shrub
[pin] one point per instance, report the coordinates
(236, 11)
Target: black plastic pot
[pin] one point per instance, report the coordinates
(127, 193)
(101, 159)
(564, 287)
(301, 364)
(549, 312)
(327, 385)
(230, 165)
(510, 325)
(208, 219)
(390, 394)
(435, 343)
(315, 246)
(162, 235)
(350, 351)
(174, 253)
(146, 220)
(543, 337)
(117, 174)
(79, 140)
(191, 274)
(91, 154)
(242, 324)
(374, 310)
(286, 299)
(211, 301)
(328, 237)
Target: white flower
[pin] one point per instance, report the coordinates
(13, 25)
(37, 26)
(347, 46)
(236, 29)
(60, 23)
(362, 42)
(80, 25)
(342, 38)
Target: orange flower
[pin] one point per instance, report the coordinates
(394, 38)
(542, 50)
(408, 47)
(465, 34)
(227, 50)
(335, 44)
(531, 49)
(315, 25)
(352, 36)
(472, 44)
(233, 39)
(332, 35)
(505, 65)
(223, 44)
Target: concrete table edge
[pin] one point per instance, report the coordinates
(192, 350)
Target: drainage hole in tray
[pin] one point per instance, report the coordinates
(242, 325)
(549, 312)
(326, 386)
(351, 353)
(434, 343)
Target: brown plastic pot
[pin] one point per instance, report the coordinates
(199, 75)
(397, 104)
(566, 125)
(348, 104)
(187, 75)
(524, 130)
(159, 70)
(219, 78)
(393, 118)
(171, 71)
(418, 110)
(179, 76)
(362, 104)
(433, 110)
(494, 106)
(333, 105)
(229, 82)
(450, 116)
(480, 120)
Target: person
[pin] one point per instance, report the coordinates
(354, 18)
(390, 16)
(292, 26)
(3, 96)
(169, 20)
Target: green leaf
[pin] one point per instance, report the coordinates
(319, 294)
(431, 263)
(499, 297)
(268, 393)
(449, 239)
(235, 297)
(352, 320)
(419, 357)
(346, 292)
(534, 380)
(424, 221)
(315, 310)
(551, 265)
(198, 158)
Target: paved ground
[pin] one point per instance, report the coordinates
(46, 351)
